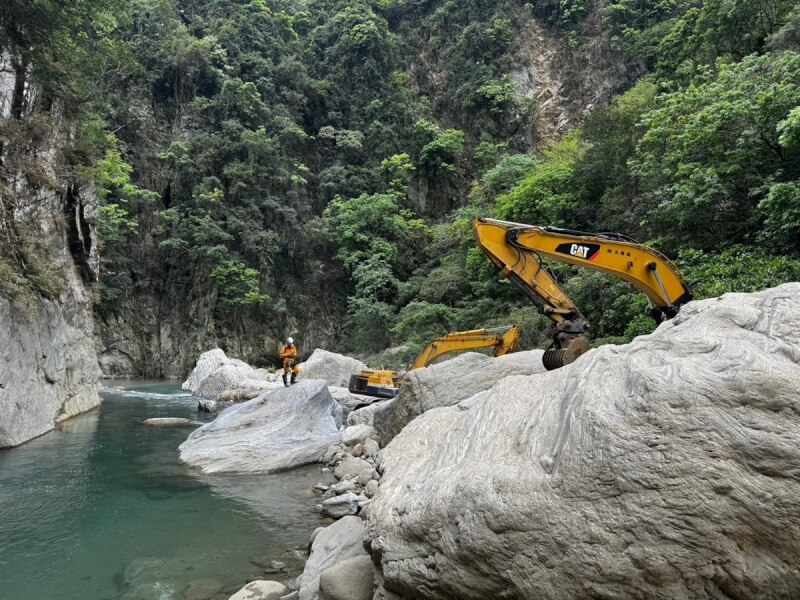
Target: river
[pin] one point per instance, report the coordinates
(101, 508)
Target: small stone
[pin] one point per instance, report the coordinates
(340, 506)
(365, 476)
(356, 434)
(371, 488)
(351, 467)
(358, 450)
(371, 448)
(343, 486)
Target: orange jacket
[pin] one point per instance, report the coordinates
(288, 352)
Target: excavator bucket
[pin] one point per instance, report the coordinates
(555, 358)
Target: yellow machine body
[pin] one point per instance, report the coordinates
(386, 384)
(517, 251)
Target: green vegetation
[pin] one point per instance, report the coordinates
(272, 162)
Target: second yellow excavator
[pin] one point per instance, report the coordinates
(386, 384)
(517, 250)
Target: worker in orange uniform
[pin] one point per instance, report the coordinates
(289, 360)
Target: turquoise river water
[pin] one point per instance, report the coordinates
(101, 509)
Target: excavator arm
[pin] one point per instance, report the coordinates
(503, 339)
(385, 384)
(517, 251)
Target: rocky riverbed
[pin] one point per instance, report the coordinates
(668, 467)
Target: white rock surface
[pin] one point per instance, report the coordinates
(448, 383)
(337, 542)
(335, 369)
(667, 468)
(215, 373)
(279, 430)
(261, 589)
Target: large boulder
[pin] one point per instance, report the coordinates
(261, 589)
(448, 383)
(337, 542)
(215, 373)
(666, 468)
(350, 579)
(335, 369)
(279, 430)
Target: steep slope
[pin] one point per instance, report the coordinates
(48, 256)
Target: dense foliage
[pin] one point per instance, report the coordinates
(273, 163)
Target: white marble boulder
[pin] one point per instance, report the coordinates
(215, 373)
(279, 430)
(335, 369)
(448, 383)
(666, 468)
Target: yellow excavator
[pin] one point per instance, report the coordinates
(386, 384)
(517, 250)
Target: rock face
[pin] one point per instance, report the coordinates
(448, 383)
(667, 468)
(215, 373)
(335, 369)
(339, 541)
(48, 368)
(279, 430)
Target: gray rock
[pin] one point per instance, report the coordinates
(261, 590)
(340, 506)
(356, 434)
(282, 429)
(371, 488)
(337, 542)
(349, 579)
(366, 415)
(332, 454)
(371, 448)
(215, 373)
(448, 383)
(351, 467)
(346, 485)
(335, 369)
(207, 406)
(666, 468)
(314, 535)
(365, 476)
(171, 422)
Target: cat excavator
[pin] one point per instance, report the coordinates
(517, 251)
(386, 384)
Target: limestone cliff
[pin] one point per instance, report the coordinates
(48, 257)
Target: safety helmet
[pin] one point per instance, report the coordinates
(289, 340)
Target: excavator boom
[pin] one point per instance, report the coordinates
(503, 339)
(379, 383)
(517, 251)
